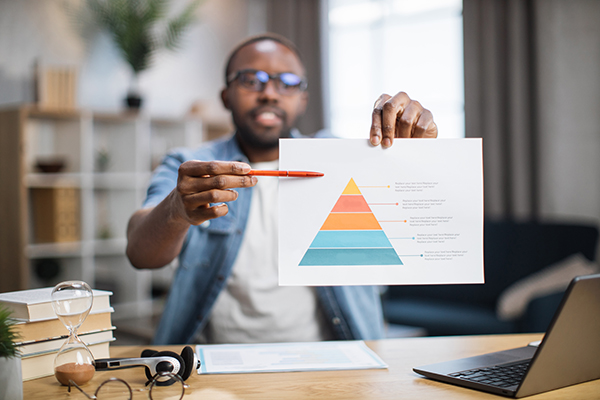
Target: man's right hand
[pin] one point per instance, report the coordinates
(202, 183)
(155, 235)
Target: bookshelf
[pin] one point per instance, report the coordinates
(71, 223)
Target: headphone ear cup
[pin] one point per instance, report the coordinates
(167, 354)
(148, 353)
(188, 355)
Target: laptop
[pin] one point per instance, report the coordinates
(569, 353)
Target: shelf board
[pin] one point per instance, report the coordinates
(105, 247)
(118, 117)
(50, 180)
(109, 247)
(171, 121)
(121, 180)
(101, 180)
(69, 114)
(54, 250)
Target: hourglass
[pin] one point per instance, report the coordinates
(72, 301)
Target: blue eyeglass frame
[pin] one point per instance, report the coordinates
(264, 78)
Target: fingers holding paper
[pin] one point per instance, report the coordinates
(200, 184)
(400, 116)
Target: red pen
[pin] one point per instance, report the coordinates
(298, 174)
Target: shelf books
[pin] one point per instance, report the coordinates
(56, 86)
(36, 304)
(56, 214)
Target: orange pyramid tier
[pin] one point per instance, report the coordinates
(350, 221)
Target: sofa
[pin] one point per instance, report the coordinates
(514, 251)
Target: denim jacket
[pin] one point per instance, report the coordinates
(209, 252)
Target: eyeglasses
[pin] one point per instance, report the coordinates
(254, 80)
(160, 388)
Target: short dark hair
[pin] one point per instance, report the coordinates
(259, 38)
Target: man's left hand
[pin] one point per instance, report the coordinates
(400, 117)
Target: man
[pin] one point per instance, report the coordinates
(203, 208)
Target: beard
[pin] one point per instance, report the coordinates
(263, 138)
(264, 142)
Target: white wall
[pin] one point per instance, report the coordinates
(570, 108)
(42, 29)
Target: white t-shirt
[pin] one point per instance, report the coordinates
(253, 308)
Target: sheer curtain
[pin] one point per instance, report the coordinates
(387, 46)
(501, 101)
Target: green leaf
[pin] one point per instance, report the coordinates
(8, 336)
(135, 27)
(179, 24)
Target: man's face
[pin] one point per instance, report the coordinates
(262, 117)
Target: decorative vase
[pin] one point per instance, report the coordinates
(11, 380)
(133, 101)
(134, 98)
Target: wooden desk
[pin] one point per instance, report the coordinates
(397, 382)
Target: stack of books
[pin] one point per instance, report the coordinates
(56, 87)
(56, 214)
(41, 333)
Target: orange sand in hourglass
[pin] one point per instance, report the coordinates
(78, 373)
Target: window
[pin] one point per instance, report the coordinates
(387, 46)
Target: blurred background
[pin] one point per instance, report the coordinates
(522, 74)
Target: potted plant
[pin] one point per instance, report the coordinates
(140, 28)
(11, 381)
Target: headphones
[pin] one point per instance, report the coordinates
(155, 362)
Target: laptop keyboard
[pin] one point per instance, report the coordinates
(498, 375)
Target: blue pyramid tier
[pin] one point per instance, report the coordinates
(361, 239)
(350, 256)
(351, 248)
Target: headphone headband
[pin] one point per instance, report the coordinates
(154, 364)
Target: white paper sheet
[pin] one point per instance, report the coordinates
(409, 214)
(286, 357)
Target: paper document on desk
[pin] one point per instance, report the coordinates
(286, 357)
(409, 214)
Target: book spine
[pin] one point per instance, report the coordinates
(43, 365)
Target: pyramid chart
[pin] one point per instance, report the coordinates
(351, 235)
